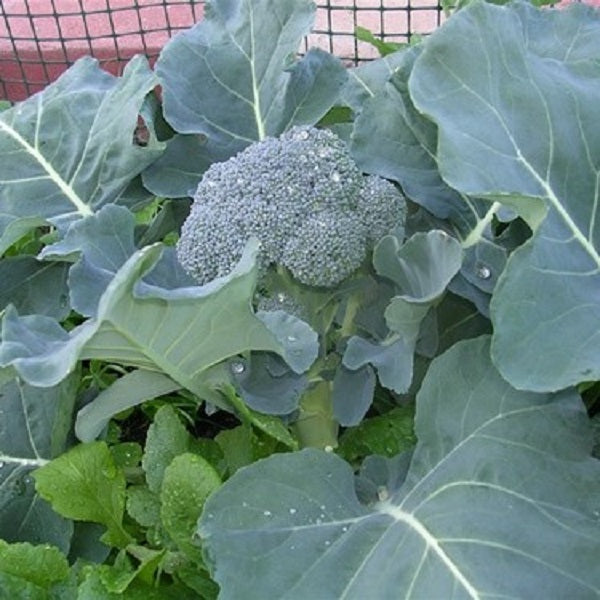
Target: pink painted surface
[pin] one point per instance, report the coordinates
(40, 38)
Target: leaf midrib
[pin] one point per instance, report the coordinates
(65, 188)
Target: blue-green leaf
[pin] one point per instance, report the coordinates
(178, 171)
(231, 78)
(69, 150)
(468, 519)
(34, 286)
(352, 394)
(34, 428)
(105, 241)
(517, 120)
(179, 331)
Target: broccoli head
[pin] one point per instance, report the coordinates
(302, 196)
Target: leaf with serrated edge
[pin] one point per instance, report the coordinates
(517, 121)
(493, 505)
(85, 484)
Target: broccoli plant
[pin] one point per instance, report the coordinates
(317, 219)
(343, 359)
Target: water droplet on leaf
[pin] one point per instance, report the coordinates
(237, 368)
(382, 493)
(483, 271)
(336, 177)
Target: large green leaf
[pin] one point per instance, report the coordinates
(180, 332)
(518, 123)
(231, 78)
(34, 428)
(68, 150)
(501, 500)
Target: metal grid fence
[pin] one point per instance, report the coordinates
(39, 39)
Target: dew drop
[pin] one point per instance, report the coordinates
(483, 271)
(302, 135)
(327, 543)
(382, 493)
(336, 177)
(344, 529)
(328, 449)
(293, 511)
(322, 507)
(237, 368)
(2, 464)
(267, 513)
(281, 297)
(292, 338)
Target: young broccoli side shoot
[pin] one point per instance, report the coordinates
(302, 196)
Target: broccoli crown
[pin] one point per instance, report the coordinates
(302, 196)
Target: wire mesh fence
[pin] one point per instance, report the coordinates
(39, 39)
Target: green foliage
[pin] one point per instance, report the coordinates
(384, 48)
(385, 435)
(84, 484)
(426, 426)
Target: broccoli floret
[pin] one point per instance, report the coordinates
(380, 208)
(302, 196)
(326, 248)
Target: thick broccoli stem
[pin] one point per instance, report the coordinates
(316, 427)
